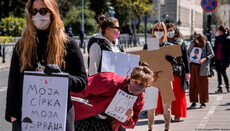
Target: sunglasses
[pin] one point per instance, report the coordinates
(118, 28)
(158, 30)
(42, 11)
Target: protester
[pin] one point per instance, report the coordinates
(105, 40)
(200, 71)
(81, 36)
(159, 31)
(43, 42)
(181, 74)
(222, 58)
(100, 91)
(70, 31)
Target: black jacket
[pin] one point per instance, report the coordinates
(225, 51)
(74, 66)
(183, 62)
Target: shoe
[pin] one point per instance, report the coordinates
(227, 87)
(166, 130)
(150, 130)
(176, 119)
(193, 106)
(219, 90)
(203, 105)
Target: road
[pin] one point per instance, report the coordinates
(214, 117)
(4, 126)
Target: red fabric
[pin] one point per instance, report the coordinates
(100, 91)
(219, 51)
(159, 109)
(179, 106)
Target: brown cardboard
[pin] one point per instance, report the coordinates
(158, 63)
(166, 91)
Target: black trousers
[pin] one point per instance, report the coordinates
(70, 120)
(93, 124)
(221, 70)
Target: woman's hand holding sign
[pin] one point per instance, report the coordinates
(129, 113)
(202, 60)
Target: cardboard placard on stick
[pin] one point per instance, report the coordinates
(158, 63)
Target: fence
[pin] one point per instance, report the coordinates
(127, 41)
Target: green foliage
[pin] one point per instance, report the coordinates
(12, 26)
(73, 19)
(7, 39)
(149, 27)
(138, 8)
(98, 6)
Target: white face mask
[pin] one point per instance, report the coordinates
(41, 22)
(159, 34)
(170, 34)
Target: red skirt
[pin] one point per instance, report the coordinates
(179, 106)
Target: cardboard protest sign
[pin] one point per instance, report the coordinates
(195, 55)
(120, 63)
(165, 88)
(44, 104)
(150, 97)
(153, 44)
(120, 104)
(158, 63)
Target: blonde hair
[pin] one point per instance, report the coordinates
(56, 48)
(164, 38)
(142, 73)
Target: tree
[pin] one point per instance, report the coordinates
(139, 9)
(73, 19)
(12, 7)
(98, 6)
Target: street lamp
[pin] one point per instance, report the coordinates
(82, 24)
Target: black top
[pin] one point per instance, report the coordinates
(225, 50)
(74, 66)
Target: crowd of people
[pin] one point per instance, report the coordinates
(44, 46)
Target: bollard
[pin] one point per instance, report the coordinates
(3, 52)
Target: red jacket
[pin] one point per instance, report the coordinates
(100, 91)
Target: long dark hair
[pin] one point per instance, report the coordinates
(201, 38)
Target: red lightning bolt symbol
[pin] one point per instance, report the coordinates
(46, 82)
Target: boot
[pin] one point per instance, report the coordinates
(219, 90)
(227, 87)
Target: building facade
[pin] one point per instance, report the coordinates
(186, 14)
(224, 14)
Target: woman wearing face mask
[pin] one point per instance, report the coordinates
(43, 47)
(181, 74)
(100, 91)
(200, 71)
(105, 40)
(222, 58)
(159, 31)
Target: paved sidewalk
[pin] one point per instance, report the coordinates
(5, 65)
(215, 117)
